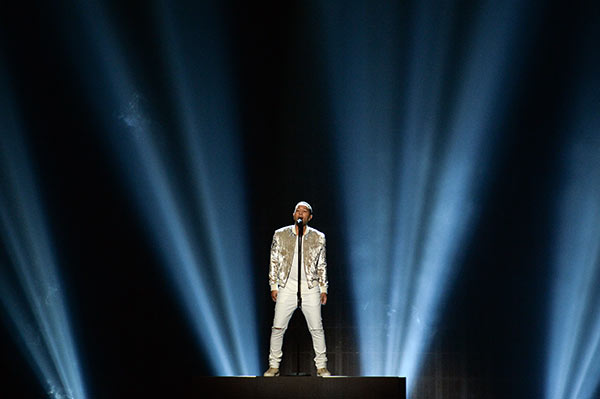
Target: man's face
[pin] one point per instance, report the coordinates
(302, 212)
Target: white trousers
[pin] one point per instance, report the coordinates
(284, 309)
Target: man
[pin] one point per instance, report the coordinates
(283, 279)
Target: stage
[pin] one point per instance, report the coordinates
(302, 387)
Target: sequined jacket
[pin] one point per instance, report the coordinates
(282, 255)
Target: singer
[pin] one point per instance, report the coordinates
(292, 287)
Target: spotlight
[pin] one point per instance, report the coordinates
(574, 341)
(197, 227)
(412, 170)
(32, 295)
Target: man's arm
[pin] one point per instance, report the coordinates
(274, 267)
(322, 272)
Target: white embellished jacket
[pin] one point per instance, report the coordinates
(282, 255)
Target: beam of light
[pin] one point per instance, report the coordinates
(207, 238)
(413, 163)
(32, 294)
(214, 156)
(573, 370)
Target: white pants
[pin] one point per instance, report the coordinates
(284, 309)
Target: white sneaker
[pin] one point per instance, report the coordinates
(271, 372)
(323, 372)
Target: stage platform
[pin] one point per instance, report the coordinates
(304, 387)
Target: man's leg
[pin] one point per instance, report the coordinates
(284, 308)
(311, 307)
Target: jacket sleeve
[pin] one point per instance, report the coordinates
(274, 263)
(322, 268)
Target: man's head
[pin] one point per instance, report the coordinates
(303, 210)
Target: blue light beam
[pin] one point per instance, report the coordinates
(222, 316)
(413, 163)
(574, 335)
(213, 153)
(36, 305)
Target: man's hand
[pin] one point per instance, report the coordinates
(274, 295)
(323, 298)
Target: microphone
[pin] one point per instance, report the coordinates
(300, 228)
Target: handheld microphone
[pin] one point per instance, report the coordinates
(299, 221)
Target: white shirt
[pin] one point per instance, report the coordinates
(292, 283)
